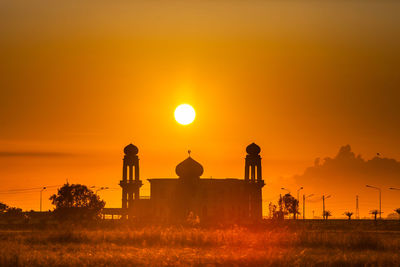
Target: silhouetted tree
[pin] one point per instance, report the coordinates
(271, 209)
(375, 213)
(278, 214)
(326, 214)
(76, 202)
(13, 214)
(397, 211)
(291, 205)
(13, 211)
(3, 207)
(280, 202)
(348, 214)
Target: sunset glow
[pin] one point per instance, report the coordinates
(292, 78)
(199, 133)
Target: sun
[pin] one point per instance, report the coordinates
(184, 114)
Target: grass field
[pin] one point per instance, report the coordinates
(314, 244)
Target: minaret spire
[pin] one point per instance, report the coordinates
(130, 182)
(253, 171)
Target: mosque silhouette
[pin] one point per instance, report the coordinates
(174, 199)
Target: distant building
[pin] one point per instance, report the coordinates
(174, 199)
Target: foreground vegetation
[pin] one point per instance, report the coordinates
(171, 246)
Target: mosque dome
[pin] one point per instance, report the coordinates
(131, 150)
(189, 168)
(253, 149)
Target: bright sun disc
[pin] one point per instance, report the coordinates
(185, 114)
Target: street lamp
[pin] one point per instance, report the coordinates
(380, 199)
(101, 188)
(394, 188)
(286, 189)
(304, 205)
(298, 198)
(323, 204)
(41, 197)
(298, 190)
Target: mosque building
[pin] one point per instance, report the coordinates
(174, 199)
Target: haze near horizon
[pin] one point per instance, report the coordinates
(79, 82)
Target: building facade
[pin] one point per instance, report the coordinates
(211, 200)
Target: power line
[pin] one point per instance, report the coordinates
(22, 190)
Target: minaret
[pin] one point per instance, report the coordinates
(252, 170)
(130, 183)
(254, 181)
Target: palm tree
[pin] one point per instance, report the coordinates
(326, 214)
(397, 211)
(375, 213)
(348, 214)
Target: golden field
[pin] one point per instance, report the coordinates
(291, 244)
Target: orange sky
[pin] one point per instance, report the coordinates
(301, 78)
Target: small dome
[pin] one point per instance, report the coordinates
(131, 150)
(253, 149)
(189, 168)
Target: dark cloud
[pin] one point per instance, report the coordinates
(347, 170)
(36, 154)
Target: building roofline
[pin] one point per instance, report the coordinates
(201, 179)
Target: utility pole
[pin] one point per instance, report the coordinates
(357, 210)
(380, 204)
(323, 205)
(298, 199)
(298, 190)
(41, 198)
(380, 199)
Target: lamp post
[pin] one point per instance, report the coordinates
(380, 199)
(101, 188)
(298, 191)
(298, 198)
(304, 205)
(323, 205)
(41, 197)
(285, 189)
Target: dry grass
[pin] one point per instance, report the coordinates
(157, 246)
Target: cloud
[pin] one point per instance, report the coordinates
(347, 170)
(35, 154)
